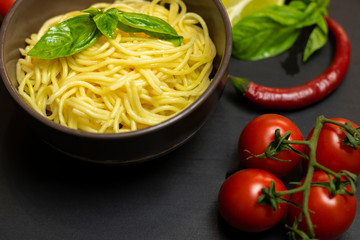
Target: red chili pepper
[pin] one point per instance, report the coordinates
(308, 93)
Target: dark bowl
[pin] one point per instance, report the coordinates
(26, 17)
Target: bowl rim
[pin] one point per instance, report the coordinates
(223, 66)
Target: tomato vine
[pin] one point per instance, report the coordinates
(338, 181)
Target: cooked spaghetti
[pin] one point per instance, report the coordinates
(122, 84)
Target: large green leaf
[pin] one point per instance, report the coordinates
(66, 38)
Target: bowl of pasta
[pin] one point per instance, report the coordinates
(115, 81)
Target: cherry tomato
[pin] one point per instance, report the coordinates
(332, 153)
(5, 5)
(258, 134)
(238, 201)
(331, 216)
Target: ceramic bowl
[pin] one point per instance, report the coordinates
(26, 17)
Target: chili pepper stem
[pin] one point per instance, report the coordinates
(241, 84)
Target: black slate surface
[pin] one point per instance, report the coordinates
(47, 195)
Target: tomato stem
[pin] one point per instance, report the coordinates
(336, 186)
(297, 142)
(352, 138)
(326, 170)
(310, 171)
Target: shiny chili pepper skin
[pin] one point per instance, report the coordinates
(308, 93)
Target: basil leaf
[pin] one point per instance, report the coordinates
(298, 4)
(274, 29)
(66, 38)
(77, 33)
(314, 15)
(283, 14)
(92, 11)
(150, 25)
(317, 39)
(256, 38)
(323, 5)
(310, 16)
(106, 23)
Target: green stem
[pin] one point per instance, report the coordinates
(311, 168)
(241, 84)
(313, 164)
(326, 120)
(327, 170)
(296, 142)
(305, 188)
(290, 191)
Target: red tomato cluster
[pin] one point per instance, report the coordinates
(238, 197)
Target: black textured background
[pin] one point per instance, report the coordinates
(47, 195)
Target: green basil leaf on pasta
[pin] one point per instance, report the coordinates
(106, 23)
(66, 38)
(92, 11)
(77, 33)
(150, 25)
